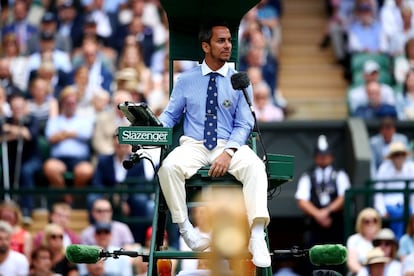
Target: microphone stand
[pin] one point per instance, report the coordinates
(294, 252)
(256, 129)
(116, 253)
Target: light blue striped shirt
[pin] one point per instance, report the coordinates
(234, 118)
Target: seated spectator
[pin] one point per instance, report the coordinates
(22, 131)
(375, 263)
(386, 240)
(263, 105)
(259, 55)
(404, 62)
(48, 51)
(70, 21)
(41, 105)
(108, 122)
(365, 33)
(110, 173)
(395, 167)
(404, 29)
(11, 261)
(408, 265)
(69, 135)
(56, 78)
(131, 57)
(358, 95)
(18, 63)
(381, 142)
(406, 101)
(406, 242)
(120, 266)
(53, 239)
(60, 215)
(367, 226)
(20, 25)
(101, 212)
(41, 262)
(6, 78)
(48, 24)
(375, 108)
(99, 67)
(20, 239)
(86, 92)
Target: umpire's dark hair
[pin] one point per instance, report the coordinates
(206, 32)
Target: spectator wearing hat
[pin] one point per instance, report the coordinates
(49, 52)
(396, 169)
(406, 242)
(69, 135)
(320, 195)
(375, 264)
(49, 25)
(381, 142)
(112, 266)
(358, 96)
(385, 239)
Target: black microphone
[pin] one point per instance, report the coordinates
(134, 159)
(240, 81)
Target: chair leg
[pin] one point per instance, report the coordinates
(158, 228)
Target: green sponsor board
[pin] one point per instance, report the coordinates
(140, 135)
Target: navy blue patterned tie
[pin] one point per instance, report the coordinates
(210, 123)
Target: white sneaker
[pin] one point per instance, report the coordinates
(261, 256)
(194, 240)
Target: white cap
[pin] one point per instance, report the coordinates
(371, 66)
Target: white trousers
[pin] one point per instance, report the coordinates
(184, 161)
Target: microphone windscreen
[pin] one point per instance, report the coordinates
(240, 80)
(83, 254)
(328, 254)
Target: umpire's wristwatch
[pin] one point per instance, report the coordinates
(229, 151)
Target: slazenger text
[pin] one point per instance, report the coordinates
(130, 135)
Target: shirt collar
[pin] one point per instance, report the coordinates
(222, 71)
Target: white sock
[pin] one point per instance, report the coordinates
(185, 226)
(257, 230)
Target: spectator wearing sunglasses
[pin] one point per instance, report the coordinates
(367, 226)
(120, 266)
(101, 212)
(53, 239)
(386, 240)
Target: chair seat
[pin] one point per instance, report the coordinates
(279, 168)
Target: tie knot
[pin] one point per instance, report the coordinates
(213, 75)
